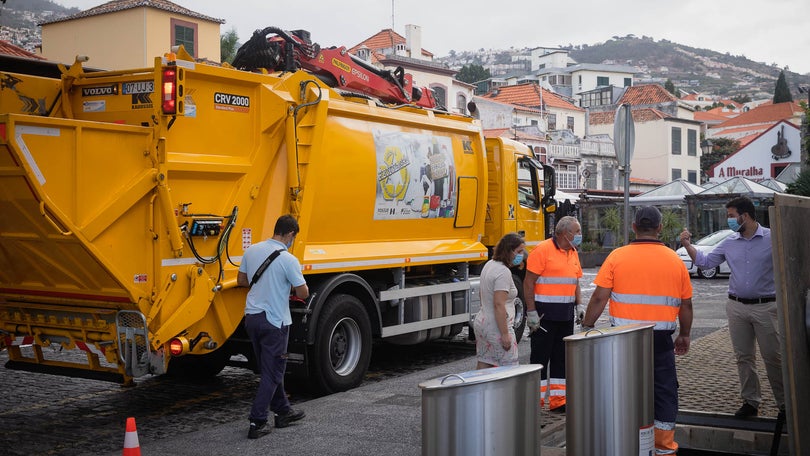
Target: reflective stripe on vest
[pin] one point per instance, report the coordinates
(555, 289)
(637, 308)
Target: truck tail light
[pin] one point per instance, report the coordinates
(168, 93)
(178, 346)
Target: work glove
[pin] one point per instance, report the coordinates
(533, 320)
(579, 312)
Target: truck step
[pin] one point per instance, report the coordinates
(67, 371)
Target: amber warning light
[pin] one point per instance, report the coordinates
(178, 346)
(169, 93)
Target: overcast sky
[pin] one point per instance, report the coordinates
(772, 32)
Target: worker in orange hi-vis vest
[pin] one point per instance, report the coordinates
(646, 282)
(552, 277)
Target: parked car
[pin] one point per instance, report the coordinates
(706, 245)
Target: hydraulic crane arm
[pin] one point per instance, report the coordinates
(290, 51)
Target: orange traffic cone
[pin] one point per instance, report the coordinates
(131, 445)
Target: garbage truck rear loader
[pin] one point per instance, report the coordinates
(125, 208)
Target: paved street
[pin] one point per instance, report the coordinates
(45, 414)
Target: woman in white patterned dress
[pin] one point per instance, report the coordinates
(494, 334)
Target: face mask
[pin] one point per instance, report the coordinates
(577, 240)
(733, 224)
(518, 259)
(290, 242)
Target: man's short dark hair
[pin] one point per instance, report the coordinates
(744, 205)
(285, 224)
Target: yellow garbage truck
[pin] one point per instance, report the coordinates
(128, 197)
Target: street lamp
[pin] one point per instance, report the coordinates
(706, 146)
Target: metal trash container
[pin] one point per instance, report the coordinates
(609, 391)
(493, 411)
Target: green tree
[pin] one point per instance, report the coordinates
(472, 73)
(672, 224)
(742, 99)
(670, 86)
(228, 45)
(721, 148)
(802, 185)
(782, 93)
(612, 222)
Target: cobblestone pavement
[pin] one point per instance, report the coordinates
(47, 415)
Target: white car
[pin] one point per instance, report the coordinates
(706, 245)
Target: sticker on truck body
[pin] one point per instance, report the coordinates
(100, 91)
(140, 92)
(231, 102)
(415, 176)
(94, 106)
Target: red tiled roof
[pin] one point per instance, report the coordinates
(765, 113)
(384, 39)
(510, 133)
(7, 48)
(517, 107)
(709, 116)
(646, 94)
(121, 5)
(727, 113)
(639, 115)
(530, 95)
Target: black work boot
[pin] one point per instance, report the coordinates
(284, 419)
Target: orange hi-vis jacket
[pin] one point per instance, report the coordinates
(558, 270)
(556, 284)
(648, 282)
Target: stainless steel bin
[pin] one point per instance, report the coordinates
(609, 391)
(492, 411)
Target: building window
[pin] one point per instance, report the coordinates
(628, 82)
(676, 173)
(541, 154)
(691, 176)
(534, 122)
(691, 142)
(461, 103)
(552, 121)
(440, 93)
(602, 81)
(570, 123)
(591, 177)
(185, 33)
(608, 178)
(566, 176)
(676, 141)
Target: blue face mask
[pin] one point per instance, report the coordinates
(518, 259)
(577, 240)
(733, 224)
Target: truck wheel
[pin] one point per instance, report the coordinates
(342, 348)
(520, 309)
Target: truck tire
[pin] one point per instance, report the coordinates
(520, 309)
(342, 349)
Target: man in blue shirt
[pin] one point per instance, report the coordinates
(751, 306)
(268, 320)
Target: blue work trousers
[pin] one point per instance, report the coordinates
(270, 348)
(665, 377)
